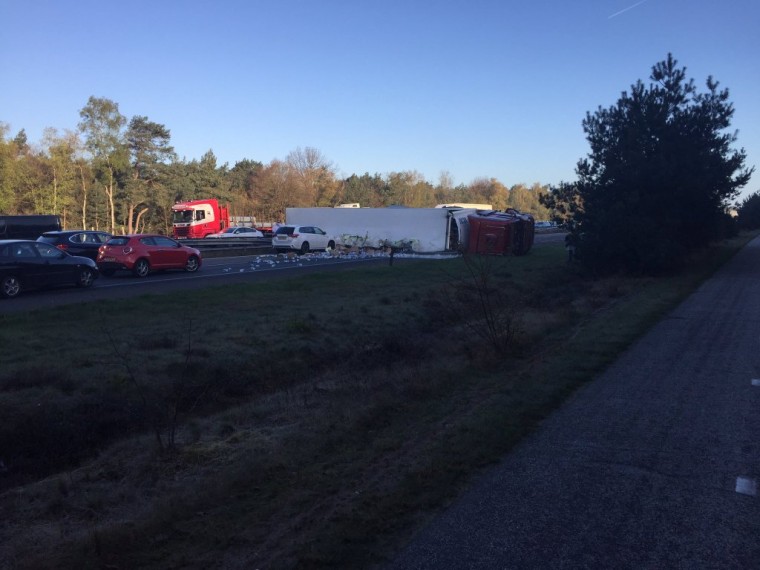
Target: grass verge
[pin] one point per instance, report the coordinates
(319, 419)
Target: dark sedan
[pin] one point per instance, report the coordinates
(77, 242)
(26, 264)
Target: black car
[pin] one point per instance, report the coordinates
(77, 242)
(27, 264)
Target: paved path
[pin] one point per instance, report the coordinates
(656, 464)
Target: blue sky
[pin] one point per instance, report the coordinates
(477, 88)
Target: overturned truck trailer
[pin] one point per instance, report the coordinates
(500, 233)
(420, 230)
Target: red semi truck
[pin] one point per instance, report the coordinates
(199, 218)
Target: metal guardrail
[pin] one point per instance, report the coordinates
(217, 243)
(219, 247)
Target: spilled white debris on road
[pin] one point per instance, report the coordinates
(272, 261)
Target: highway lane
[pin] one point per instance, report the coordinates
(215, 271)
(654, 464)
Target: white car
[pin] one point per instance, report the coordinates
(301, 238)
(237, 232)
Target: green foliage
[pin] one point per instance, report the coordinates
(123, 175)
(242, 182)
(409, 188)
(8, 174)
(366, 190)
(21, 141)
(749, 212)
(659, 177)
(101, 123)
(149, 146)
(564, 202)
(149, 151)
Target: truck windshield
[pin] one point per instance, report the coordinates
(182, 216)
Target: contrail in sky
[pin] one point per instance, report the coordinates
(626, 9)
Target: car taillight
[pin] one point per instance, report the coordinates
(127, 250)
(293, 235)
(62, 246)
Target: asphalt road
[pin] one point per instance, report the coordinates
(215, 271)
(655, 464)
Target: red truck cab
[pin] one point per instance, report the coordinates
(198, 218)
(501, 233)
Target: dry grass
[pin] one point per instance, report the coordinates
(315, 450)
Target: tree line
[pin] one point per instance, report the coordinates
(124, 175)
(660, 177)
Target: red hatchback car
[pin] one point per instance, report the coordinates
(143, 253)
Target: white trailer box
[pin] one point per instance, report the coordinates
(422, 230)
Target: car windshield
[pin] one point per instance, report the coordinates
(229, 231)
(118, 241)
(285, 230)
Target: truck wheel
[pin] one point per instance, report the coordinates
(10, 286)
(141, 268)
(305, 247)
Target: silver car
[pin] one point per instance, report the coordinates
(237, 232)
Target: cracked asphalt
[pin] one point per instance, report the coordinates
(654, 464)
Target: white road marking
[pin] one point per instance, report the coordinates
(746, 486)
